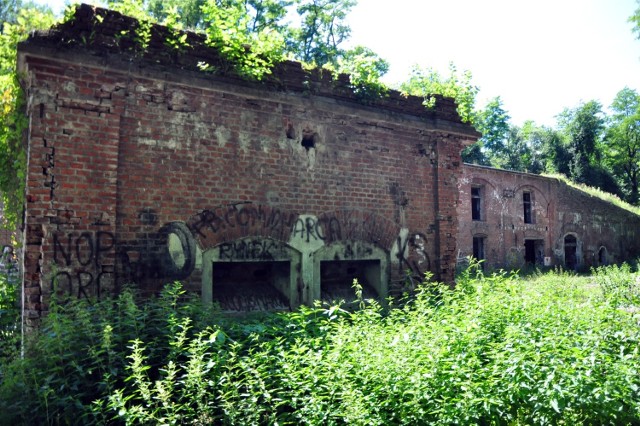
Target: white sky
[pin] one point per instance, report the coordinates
(539, 56)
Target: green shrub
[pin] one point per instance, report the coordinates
(9, 318)
(619, 285)
(498, 350)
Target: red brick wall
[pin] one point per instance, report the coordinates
(558, 211)
(123, 153)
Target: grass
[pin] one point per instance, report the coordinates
(547, 349)
(596, 192)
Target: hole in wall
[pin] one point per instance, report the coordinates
(290, 131)
(308, 142)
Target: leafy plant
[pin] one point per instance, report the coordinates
(13, 121)
(499, 349)
(428, 82)
(246, 53)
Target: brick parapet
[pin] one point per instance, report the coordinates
(109, 38)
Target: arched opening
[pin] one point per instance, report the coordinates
(603, 258)
(570, 252)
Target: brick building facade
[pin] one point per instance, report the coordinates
(144, 169)
(262, 195)
(514, 220)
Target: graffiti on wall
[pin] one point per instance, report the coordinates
(92, 262)
(88, 253)
(413, 256)
(230, 222)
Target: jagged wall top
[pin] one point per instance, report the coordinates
(111, 37)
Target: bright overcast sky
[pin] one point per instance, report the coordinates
(539, 56)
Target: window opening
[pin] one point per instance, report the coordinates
(476, 204)
(526, 201)
(250, 286)
(336, 279)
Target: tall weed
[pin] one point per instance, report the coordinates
(499, 349)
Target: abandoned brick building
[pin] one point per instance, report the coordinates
(513, 219)
(262, 195)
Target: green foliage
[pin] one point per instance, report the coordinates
(619, 285)
(365, 68)
(246, 53)
(428, 82)
(622, 142)
(13, 122)
(635, 20)
(189, 11)
(496, 350)
(323, 28)
(9, 316)
(584, 128)
(493, 123)
(136, 9)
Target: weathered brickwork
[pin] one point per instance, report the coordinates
(563, 226)
(143, 169)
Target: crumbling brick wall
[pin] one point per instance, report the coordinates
(567, 227)
(143, 169)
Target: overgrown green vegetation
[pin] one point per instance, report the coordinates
(552, 349)
(596, 192)
(10, 331)
(13, 122)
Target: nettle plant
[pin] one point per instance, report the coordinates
(500, 349)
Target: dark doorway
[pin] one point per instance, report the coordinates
(336, 279)
(250, 286)
(534, 252)
(602, 256)
(570, 252)
(478, 248)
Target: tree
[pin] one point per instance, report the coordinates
(584, 127)
(9, 11)
(365, 68)
(249, 53)
(523, 149)
(428, 82)
(537, 139)
(13, 122)
(635, 20)
(493, 123)
(623, 142)
(323, 29)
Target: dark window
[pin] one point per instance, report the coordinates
(476, 204)
(526, 201)
(478, 248)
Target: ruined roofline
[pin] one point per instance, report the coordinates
(110, 38)
(587, 191)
